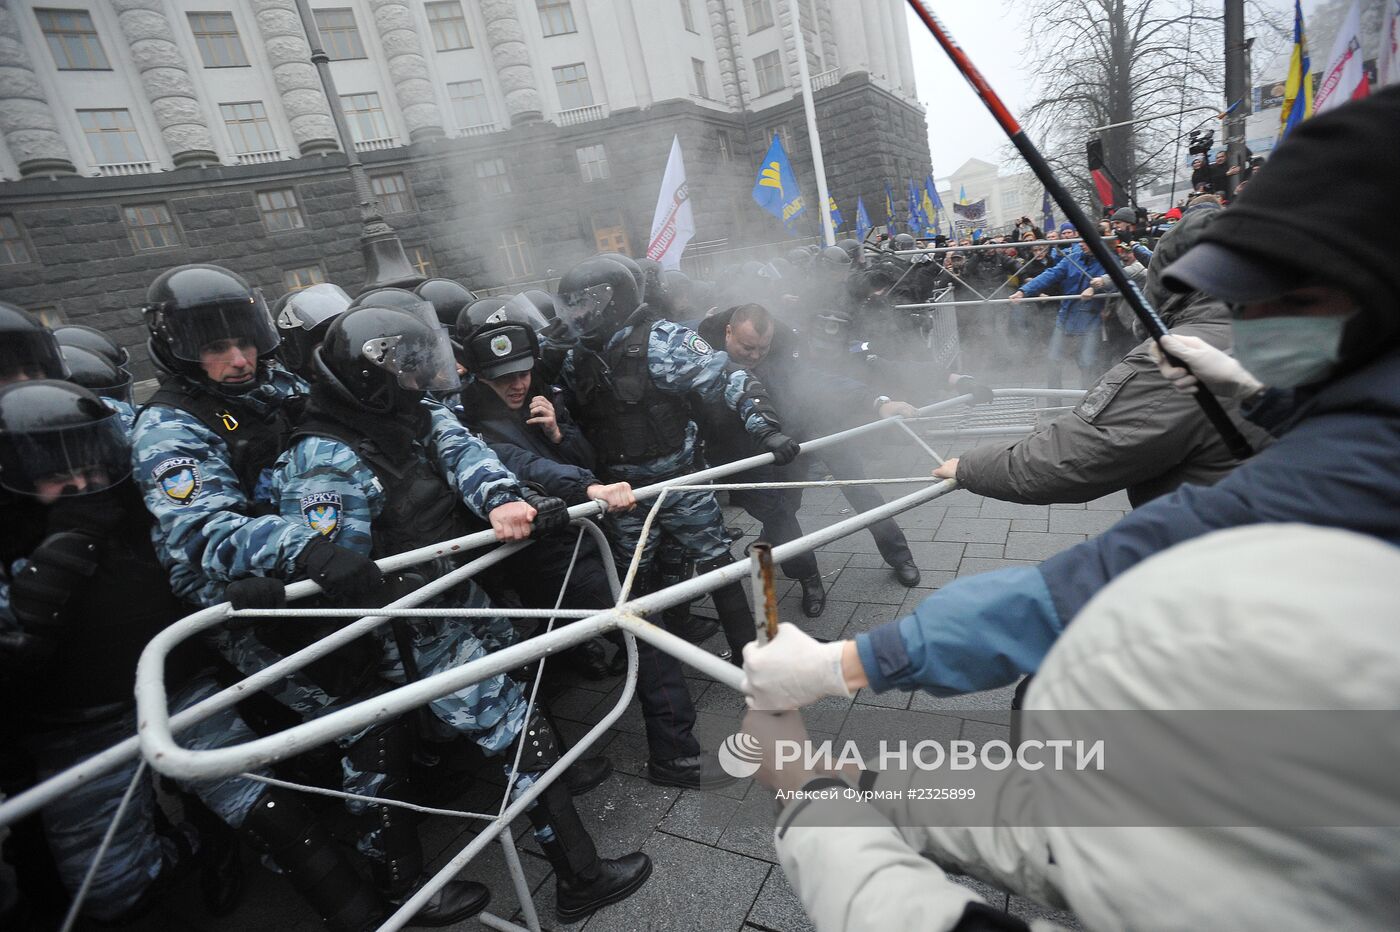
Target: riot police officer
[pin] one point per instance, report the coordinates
(629, 379)
(377, 468)
(28, 349)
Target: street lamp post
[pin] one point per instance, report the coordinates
(386, 264)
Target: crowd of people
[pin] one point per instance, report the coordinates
(308, 439)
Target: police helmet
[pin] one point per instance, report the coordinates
(596, 297)
(836, 258)
(631, 265)
(191, 306)
(496, 350)
(447, 298)
(94, 341)
(904, 241)
(28, 349)
(303, 317)
(385, 359)
(59, 439)
(852, 247)
(96, 374)
(479, 312)
(799, 257)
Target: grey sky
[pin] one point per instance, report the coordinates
(993, 33)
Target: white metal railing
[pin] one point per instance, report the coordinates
(580, 115)
(372, 145)
(156, 728)
(113, 169)
(259, 158)
(826, 79)
(480, 129)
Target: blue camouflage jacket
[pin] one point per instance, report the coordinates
(682, 362)
(208, 532)
(321, 486)
(1070, 276)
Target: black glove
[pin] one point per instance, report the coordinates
(343, 574)
(783, 447)
(551, 514)
(257, 592)
(981, 394)
(57, 570)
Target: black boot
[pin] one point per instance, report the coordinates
(700, 772)
(584, 882)
(732, 606)
(281, 825)
(813, 596)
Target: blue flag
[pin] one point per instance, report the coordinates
(775, 189)
(836, 219)
(1047, 214)
(889, 210)
(933, 207)
(863, 224)
(918, 223)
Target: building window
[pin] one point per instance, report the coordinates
(392, 191)
(111, 136)
(217, 38)
(556, 17)
(469, 103)
(726, 148)
(758, 14)
(151, 226)
(339, 34)
(494, 177)
(73, 40)
(574, 89)
(449, 26)
(768, 68)
(781, 131)
(248, 127)
(49, 315)
(688, 17)
(304, 277)
(592, 162)
(280, 210)
(421, 258)
(515, 252)
(610, 233)
(13, 249)
(702, 84)
(365, 116)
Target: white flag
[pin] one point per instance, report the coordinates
(1388, 67)
(1345, 77)
(674, 224)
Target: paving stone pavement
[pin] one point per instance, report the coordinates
(715, 865)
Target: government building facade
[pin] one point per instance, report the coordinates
(503, 139)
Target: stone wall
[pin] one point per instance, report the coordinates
(85, 266)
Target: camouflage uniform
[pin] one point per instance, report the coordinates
(679, 362)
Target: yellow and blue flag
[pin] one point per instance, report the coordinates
(863, 224)
(929, 209)
(1298, 89)
(935, 214)
(889, 210)
(835, 211)
(776, 189)
(918, 222)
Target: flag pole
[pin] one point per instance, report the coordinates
(1088, 231)
(809, 106)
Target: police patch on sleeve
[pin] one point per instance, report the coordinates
(322, 512)
(179, 479)
(697, 343)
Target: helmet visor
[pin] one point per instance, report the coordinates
(421, 360)
(30, 355)
(190, 330)
(522, 310)
(582, 310)
(312, 306)
(78, 459)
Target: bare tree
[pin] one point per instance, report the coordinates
(1101, 62)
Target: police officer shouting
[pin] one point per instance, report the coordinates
(630, 378)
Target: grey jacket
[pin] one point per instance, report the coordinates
(1132, 431)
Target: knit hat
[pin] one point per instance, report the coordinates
(1066, 227)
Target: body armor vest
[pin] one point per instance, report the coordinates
(254, 442)
(622, 412)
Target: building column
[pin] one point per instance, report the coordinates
(512, 59)
(30, 130)
(724, 27)
(900, 29)
(166, 79)
(849, 23)
(289, 53)
(830, 58)
(409, 69)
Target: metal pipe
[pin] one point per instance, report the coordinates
(1029, 242)
(976, 301)
(765, 595)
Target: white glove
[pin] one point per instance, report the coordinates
(792, 670)
(1219, 371)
